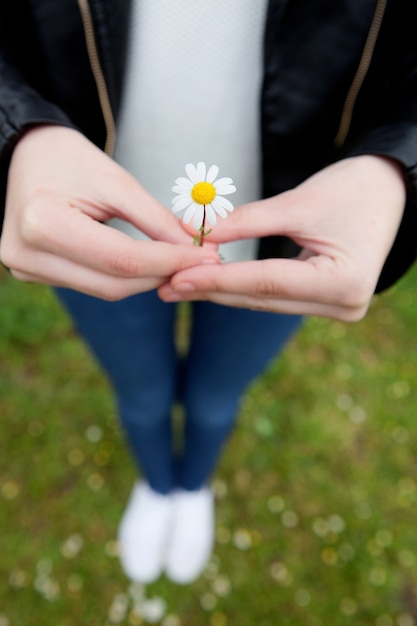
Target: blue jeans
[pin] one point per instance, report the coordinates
(134, 342)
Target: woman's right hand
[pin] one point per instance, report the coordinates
(60, 189)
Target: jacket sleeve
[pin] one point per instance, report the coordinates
(389, 126)
(21, 106)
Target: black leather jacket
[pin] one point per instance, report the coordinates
(340, 79)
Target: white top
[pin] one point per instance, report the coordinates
(192, 94)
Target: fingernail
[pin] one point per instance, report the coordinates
(167, 293)
(184, 287)
(172, 296)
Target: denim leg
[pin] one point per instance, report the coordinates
(229, 348)
(132, 340)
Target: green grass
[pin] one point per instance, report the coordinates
(316, 494)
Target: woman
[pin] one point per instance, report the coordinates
(330, 85)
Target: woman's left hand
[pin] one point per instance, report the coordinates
(345, 219)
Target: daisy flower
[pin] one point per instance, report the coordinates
(201, 196)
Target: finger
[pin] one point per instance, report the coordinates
(257, 219)
(289, 307)
(128, 200)
(82, 240)
(59, 272)
(319, 279)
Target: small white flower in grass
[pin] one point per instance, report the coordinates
(153, 609)
(200, 196)
(71, 547)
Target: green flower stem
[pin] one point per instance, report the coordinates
(203, 224)
(199, 239)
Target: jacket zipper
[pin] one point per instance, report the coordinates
(368, 50)
(98, 74)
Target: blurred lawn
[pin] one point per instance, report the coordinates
(317, 493)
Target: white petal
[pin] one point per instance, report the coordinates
(182, 189)
(192, 173)
(212, 173)
(222, 203)
(224, 185)
(180, 203)
(218, 208)
(223, 181)
(198, 216)
(224, 190)
(176, 199)
(188, 215)
(211, 215)
(225, 203)
(185, 182)
(201, 170)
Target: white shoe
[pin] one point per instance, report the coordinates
(144, 532)
(192, 535)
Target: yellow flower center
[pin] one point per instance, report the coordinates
(203, 193)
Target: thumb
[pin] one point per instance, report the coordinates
(138, 207)
(255, 219)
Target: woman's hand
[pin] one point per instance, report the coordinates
(345, 218)
(60, 190)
